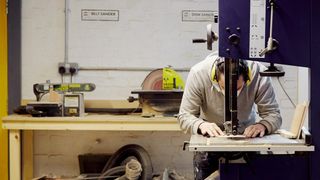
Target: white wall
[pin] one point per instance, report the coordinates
(150, 33)
(290, 84)
(42, 42)
(304, 89)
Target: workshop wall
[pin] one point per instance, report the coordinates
(290, 84)
(148, 34)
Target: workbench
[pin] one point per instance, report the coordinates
(17, 124)
(273, 143)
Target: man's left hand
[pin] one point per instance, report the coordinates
(254, 130)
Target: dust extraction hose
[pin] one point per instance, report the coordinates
(133, 171)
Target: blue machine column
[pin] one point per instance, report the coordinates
(315, 87)
(297, 29)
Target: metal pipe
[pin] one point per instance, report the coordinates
(230, 101)
(227, 114)
(271, 18)
(233, 95)
(127, 69)
(66, 32)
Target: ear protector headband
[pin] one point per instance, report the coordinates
(247, 75)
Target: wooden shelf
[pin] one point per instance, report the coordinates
(97, 122)
(92, 122)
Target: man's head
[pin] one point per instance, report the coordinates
(243, 74)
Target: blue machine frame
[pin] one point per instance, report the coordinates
(297, 29)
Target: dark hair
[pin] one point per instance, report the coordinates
(242, 69)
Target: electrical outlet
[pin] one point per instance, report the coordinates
(68, 68)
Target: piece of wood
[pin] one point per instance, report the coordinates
(54, 96)
(27, 155)
(298, 118)
(110, 104)
(297, 122)
(15, 155)
(92, 122)
(274, 142)
(234, 137)
(100, 103)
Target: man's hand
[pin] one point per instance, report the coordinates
(210, 129)
(255, 130)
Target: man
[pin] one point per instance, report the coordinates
(202, 106)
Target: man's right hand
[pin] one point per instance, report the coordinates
(210, 129)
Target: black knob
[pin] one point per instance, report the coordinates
(234, 132)
(131, 99)
(62, 70)
(215, 20)
(199, 40)
(72, 70)
(234, 39)
(275, 44)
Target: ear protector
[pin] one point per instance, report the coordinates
(247, 75)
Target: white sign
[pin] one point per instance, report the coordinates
(71, 101)
(257, 27)
(199, 15)
(99, 15)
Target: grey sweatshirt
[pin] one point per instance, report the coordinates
(203, 100)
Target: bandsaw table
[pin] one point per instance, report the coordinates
(274, 143)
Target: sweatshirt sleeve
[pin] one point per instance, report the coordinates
(190, 105)
(268, 107)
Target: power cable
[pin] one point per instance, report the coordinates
(282, 87)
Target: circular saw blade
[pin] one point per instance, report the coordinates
(154, 80)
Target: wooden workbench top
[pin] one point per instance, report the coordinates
(92, 122)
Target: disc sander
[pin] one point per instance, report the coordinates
(153, 81)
